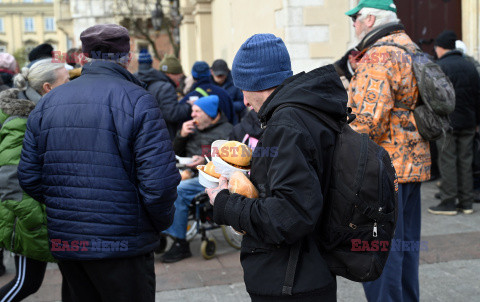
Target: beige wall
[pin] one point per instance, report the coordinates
(314, 31)
(13, 13)
(213, 29)
(235, 21)
(470, 26)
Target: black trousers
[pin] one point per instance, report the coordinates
(327, 294)
(122, 279)
(27, 281)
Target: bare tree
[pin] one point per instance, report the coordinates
(137, 17)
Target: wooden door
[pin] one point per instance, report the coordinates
(424, 20)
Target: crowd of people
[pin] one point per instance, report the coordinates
(89, 177)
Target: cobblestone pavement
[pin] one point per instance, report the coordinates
(449, 269)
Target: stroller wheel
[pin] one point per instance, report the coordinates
(233, 238)
(208, 248)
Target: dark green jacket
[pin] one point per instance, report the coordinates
(23, 227)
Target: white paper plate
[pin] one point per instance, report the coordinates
(206, 180)
(184, 160)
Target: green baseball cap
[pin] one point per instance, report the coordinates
(379, 4)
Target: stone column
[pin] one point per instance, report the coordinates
(470, 26)
(187, 36)
(203, 30)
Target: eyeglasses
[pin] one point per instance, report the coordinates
(355, 17)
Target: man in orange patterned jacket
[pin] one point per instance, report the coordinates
(383, 77)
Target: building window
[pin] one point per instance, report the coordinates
(28, 1)
(3, 48)
(1, 25)
(29, 24)
(49, 24)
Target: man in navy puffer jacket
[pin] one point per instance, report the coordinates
(98, 154)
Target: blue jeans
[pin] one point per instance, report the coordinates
(399, 279)
(187, 190)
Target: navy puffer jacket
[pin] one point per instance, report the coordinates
(98, 154)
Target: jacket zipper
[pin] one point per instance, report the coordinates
(13, 234)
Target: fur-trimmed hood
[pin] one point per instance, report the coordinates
(12, 103)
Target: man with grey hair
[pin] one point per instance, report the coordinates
(97, 153)
(382, 94)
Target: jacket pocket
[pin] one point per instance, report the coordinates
(252, 246)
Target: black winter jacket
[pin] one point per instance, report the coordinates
(466, 81)
(163, 89)
(291, 169)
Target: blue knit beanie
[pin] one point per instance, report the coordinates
(262, 62)
(209, 104)
(200, 70)
(144, 57)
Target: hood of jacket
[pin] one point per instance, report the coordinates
(13, 102)
(451, 53)
(378, 33)
(320, 89)
(150, 75)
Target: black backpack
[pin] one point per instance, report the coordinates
(360, 208)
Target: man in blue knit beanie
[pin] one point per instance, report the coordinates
(290, 168)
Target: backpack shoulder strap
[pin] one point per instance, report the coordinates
(201, 91)
(396, 45)
(397, 103)
(401, 105)
(291, 268)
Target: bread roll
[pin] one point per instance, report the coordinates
(236, 153)
(186, 174)
(240, 184)
(210, 170)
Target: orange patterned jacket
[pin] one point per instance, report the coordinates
(384, 75)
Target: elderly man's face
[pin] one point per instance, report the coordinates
(362, 24)
(202, 120)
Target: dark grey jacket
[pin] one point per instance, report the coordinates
(163, 89)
